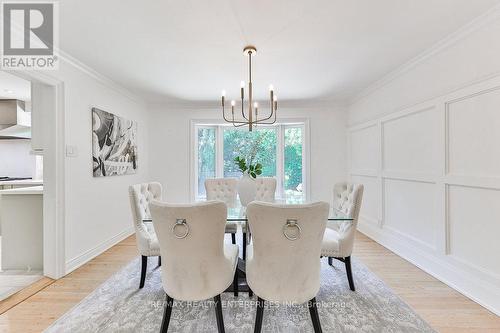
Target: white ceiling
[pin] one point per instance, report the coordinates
(192, 49)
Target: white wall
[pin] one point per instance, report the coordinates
(471, 55)
(97, 210)
(170, 147)
(432, 169)
(15, 158)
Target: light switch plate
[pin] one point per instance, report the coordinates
(71, 151)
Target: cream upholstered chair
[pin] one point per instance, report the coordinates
(283, 262)
(224, 189)
(339, 237)
(265, 189)
(198, 265)
(147, 243)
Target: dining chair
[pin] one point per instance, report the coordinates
(265, 192)
(283, 262)
(224, 189)
(147, 243)
(265, 189)
(338, 240)
(198, 265)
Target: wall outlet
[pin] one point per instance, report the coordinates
(71, 151)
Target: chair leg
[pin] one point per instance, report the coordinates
(233, 238)
(244, 246)
(347, 261)
(313, 310)
(218, 314)
(143, 271)
(235, 282)
(330, 261)
(159, 260)
(260, 314)
(166, 314)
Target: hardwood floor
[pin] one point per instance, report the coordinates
(445, 309)
(40, 310)
(24, 293)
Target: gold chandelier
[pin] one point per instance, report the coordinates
(251, 117)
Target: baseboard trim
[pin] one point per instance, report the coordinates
(86, 256)
(473, 287)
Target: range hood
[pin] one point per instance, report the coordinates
(15, 122)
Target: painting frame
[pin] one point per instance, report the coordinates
(114, 144)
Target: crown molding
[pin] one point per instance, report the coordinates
(491, 15)
(106, 81)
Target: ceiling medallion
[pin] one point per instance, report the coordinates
(251, 117)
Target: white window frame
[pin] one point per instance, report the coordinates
(219, 149)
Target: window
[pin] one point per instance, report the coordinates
(241, 142)
(206, 157)
(279, 148)
(293, 180)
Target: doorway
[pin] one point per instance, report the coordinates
(47, 141)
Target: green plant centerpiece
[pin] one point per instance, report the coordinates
(253, 170)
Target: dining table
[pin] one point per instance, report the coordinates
(237, 214)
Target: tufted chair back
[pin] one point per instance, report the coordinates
(283, 260)
(347, 198)
(265, 189)
(141, 195)
(223, 189)
(191, 238)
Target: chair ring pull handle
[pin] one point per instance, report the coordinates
(291, 224)
(178, 223)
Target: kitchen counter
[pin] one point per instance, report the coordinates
(21, 182)
(23, 190)
(21, 222)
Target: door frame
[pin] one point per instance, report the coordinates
(54, 260)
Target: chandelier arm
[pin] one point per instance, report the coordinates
(242, 107)
(238, 122)
(267, 118)
(231, 121)
(270, 116)
(241, 124)
(262, 122)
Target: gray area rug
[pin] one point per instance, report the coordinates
(119, 306)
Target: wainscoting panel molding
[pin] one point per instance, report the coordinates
(410, 211)
(418, 131)
(364, 152)
(371, 198)
(474, 117)
(432, 187)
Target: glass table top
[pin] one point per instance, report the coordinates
(237, 214)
